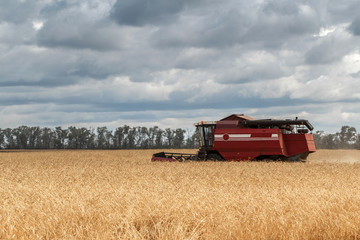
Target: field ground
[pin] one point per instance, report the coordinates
(122, 195)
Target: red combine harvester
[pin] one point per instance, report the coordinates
(242, 138)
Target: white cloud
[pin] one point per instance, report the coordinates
(351, 62)
(325, 31)
(37, 25)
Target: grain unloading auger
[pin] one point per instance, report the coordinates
(242, 138)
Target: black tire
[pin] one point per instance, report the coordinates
(214, 157)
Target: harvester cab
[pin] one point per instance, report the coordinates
(242, 138)
(206, 131)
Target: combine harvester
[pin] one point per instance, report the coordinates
(242, 138)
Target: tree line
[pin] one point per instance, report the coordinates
(126, 137)
(346, 138)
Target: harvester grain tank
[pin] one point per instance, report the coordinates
(241, 138)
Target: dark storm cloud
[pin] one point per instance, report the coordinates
(268, 25)
(78, 37)
(327, 50)
(355, 27)
(342, 11)
(142, 12)
(79, 31)
(95, 104)
(54, 8)
(16, 11)
(252, 74)
(48, 82)
(229, 102)
(40, 67)
(279, 20)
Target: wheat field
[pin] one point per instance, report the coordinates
(120, 194)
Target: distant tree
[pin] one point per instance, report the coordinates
(329, 141)
(73, 138)
(101, 138)
(179, 138)
(151, 134)
(104, 138)
(118, 137)
(2, 138)
(47, 138)
(125, 143)
(143, 140)
(169, 137)
(109, 139)
(319, 139)
(357, 142)
(9, 138)
(83, 137)
(347, 136)
(195, 139)
(22, 135)
(131, 137)
(91, 142)
(159, 137)
(35, 137)
(60, 137)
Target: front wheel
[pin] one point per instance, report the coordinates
(299, 157)
(214, 157)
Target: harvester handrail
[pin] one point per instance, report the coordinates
(275, 122)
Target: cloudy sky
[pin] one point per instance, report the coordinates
(174, 62)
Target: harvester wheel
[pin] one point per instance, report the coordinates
(299, 158)
(214, 157)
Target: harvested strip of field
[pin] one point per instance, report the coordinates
(122, 195)
(335, 156)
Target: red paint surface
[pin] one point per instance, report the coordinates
(260, 142)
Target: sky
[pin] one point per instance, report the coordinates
(171, 63)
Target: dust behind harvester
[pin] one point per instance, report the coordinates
(242, 138)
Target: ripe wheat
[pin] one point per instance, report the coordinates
(122, 195)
